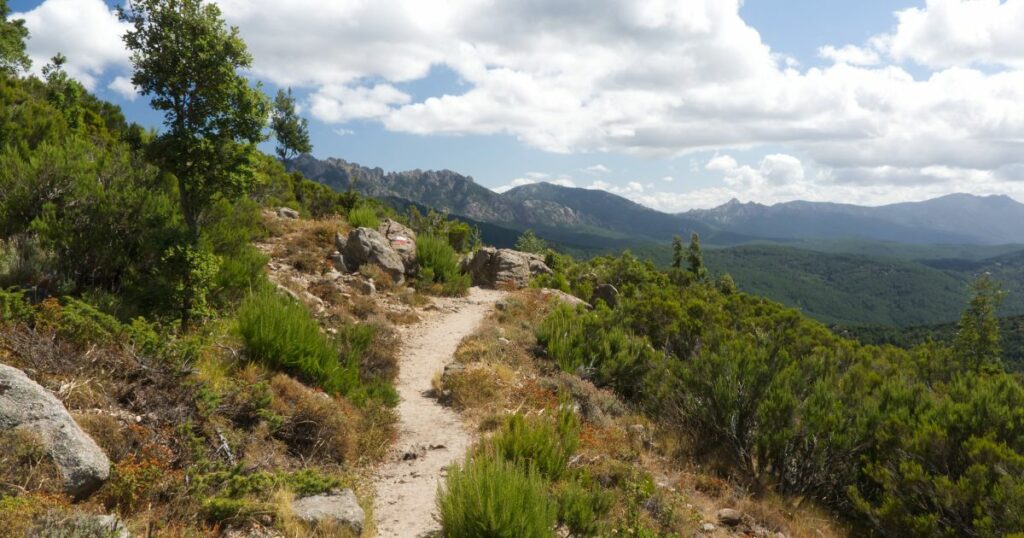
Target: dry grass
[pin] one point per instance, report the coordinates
(314, 426)
(25, 465)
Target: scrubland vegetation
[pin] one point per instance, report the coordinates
(926, 441)
(134, 290)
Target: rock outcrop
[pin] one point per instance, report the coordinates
(563, 297)
(24, 404)
(287, 213)
(340, 509)
(365, 245)
(402, 240)
(607, 293)
(494, 268)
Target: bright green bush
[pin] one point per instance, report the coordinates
(488, 496)
(280, 333)
(439, 264)
(539, 443)
(363, 216)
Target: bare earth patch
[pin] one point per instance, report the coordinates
(431, 436)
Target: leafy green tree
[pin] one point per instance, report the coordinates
(64, 92)
(677, 252)
(12, 43)
(529, 242)
(187, 60)
(291, 130)
(977, 338)
(695, 258)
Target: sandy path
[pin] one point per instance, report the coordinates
(406, 487)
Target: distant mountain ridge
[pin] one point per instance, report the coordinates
(592, 217)
(951, 219)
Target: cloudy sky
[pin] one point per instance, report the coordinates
(675, 104)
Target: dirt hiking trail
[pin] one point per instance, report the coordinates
(430, 436)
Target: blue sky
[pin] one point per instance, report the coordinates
(673, 104)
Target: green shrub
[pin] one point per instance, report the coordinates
(590, 345)
(363, 217)
(540, 443)
(581, 505)
(488, 496)
(439, 264)
(14, 306)
(280, 333)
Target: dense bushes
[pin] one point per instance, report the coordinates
(928, 441)
(583, 343)
(280, 333)
(439, 264)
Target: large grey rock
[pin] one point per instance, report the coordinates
(370, 246)
(402, 239)
(730, 517)
(607, 293)
(504, 267)
(24, 404)
(287, 213)
(340, 240)
(341, 509)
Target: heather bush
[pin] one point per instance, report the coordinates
(489, 496)
(439, 265)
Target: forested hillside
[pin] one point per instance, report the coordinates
(863, 288)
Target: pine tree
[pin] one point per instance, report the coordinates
(677, 252)
(977, 339)
(695, 258)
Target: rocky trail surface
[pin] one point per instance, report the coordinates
(431, 436)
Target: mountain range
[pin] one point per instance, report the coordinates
(587, 218)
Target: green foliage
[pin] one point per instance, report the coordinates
(280, 333)
(582, 342)
(291, 130)
(363, 216)
(439, 264)
(539, 443)
(14, 306)
(461, 236)
(581, 506)
(489, 496)
(12, 43)
(918, 442)
(1011, 337)
(187, 61)
(64, 92)
(677, 252)
(695, 259)
(529, 242)
(977, 338)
